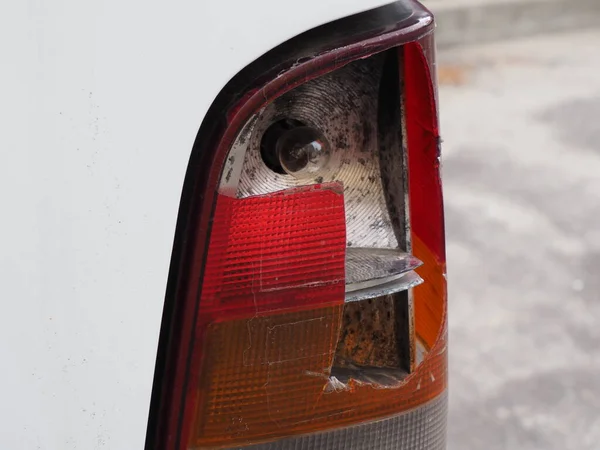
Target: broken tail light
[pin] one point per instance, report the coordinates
(306, 305)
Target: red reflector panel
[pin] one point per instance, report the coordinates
(427, 214)
(265, 251)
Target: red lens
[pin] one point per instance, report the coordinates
(266, 250)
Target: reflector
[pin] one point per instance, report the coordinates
(265, 253)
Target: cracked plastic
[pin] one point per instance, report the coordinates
(374, 273)
(272, 356)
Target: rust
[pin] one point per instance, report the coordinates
(368, 335)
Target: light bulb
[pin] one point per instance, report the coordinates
(303, 152)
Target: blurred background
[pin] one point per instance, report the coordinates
(520, 109)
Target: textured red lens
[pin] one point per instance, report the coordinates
(266, 250)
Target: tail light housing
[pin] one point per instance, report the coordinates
(306, 305)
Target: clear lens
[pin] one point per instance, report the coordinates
(423, 427)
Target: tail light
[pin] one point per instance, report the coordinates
(307, 301)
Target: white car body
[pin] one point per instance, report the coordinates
(100, 103)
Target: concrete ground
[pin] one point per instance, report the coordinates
(466, 21)
(521, 168)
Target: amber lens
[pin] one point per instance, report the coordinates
(264, 375)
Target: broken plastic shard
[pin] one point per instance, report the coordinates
(373, 272)
(365, 264)
(404, 282)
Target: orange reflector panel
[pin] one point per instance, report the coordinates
(265, 374)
